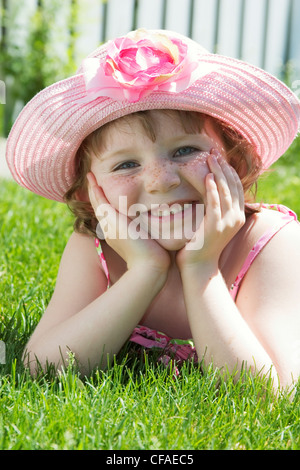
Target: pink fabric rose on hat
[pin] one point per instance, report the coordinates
(139, 64)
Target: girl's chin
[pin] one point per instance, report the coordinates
(171, 244)
(172, 231)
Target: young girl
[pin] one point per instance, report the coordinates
(150, 131)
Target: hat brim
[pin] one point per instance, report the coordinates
(44, 140)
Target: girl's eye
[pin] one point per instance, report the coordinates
(184, 151)
(126, 166)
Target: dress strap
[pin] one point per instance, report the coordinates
(102, 260)
(287, 216)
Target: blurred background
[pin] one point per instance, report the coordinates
(42, 41)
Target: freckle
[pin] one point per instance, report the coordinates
(195, 162)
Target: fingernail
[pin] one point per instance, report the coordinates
(214, 151)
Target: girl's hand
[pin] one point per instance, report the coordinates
(115, 229)
(224, 215)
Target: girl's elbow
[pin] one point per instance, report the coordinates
(38, 362)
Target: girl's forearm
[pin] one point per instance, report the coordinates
(102, 327)
(220, 333)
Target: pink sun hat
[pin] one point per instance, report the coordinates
(146, 70)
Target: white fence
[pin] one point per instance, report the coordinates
(263, 32)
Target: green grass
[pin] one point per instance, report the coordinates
(281, 184)
(135, 404)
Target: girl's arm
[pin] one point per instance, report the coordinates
(221, 334)
(263, 328)
(86, 318)
(269, 299)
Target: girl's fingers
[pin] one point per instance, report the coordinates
(239, 199)
(223, 179)
(234, 185)
(104, 212)
(213, 208)
(228, 183)
(95, 192)
(100, 204)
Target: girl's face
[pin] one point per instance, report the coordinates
(152, 176)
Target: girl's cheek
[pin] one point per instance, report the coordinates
(116, 187)
(196, 169)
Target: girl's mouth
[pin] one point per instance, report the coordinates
(165, 210)
(177, 220)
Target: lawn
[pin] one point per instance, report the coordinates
(135, 404)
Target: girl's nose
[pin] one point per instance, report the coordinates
(161, 177)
